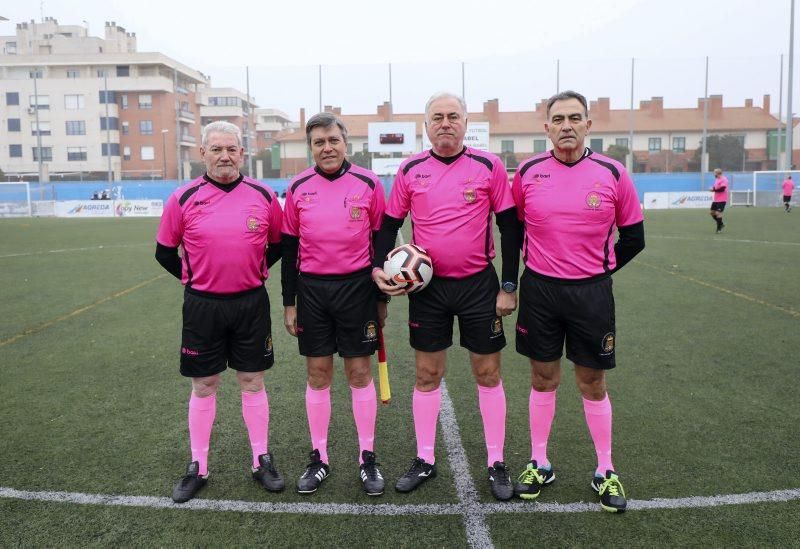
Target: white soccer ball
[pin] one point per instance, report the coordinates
(409, 267)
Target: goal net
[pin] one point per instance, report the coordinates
(767, 189)
(15, 200)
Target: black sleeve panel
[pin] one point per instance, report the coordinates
(169, 259)
(385, 239)
(289, 245)
(274, 253)
(630, 243)
(510, 243)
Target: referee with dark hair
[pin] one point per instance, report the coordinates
(228, 227)
(332, 210)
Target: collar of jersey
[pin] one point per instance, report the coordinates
(222, 186)
(586, 154)
(448, 159)
(335, 175)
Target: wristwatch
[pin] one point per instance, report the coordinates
(509, 287)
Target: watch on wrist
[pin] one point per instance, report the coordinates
(509, 287)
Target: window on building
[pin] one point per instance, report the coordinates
(107, 97)
(654, 144)
(110, 123)
(539, 145)
(507, 146)
(76, 127)
(47, 154)
(40, 102)
(76, 154)
(678, 144)
(621, 142)
(365, 147)
(146, 127)
(123, 70)
(126, 128)
(73, 73)
(148, 153)
(145, 101)
(126, 153)
(124, 100)
(349, 149)
(15, 151)
(102, 73)
(114, 149)
(12, 98)
(74, 102)
(14, 125)
(36, 73)
(596, 144)
(42, 128)
(11, 48)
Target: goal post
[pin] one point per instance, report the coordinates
(767, 189)
(15, 200)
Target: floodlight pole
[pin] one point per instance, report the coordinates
(108, 126)
(630, 124)
(789, 116)
(778, 164)
(558, 76)
(703, 166)
(249, 124)
(38, 131)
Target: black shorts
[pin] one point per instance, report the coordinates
(472, 299)
(787, 199)
(337, 314)
(718, 207)
(551, 313)
(221, 331)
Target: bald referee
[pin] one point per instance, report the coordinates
(330, 302)
(228, 227)
(572, 200)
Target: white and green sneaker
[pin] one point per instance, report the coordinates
(612, 495)
(530, 481)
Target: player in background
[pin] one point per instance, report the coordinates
(571, 200)
(452, 192)
(720, 190)
(228, 227)
(788, 189)
(331, 212)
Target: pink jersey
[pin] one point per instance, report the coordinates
(451, 201)
(788, 187)
(334, 216)
(570, 212)
(225, 231)
(721, 189)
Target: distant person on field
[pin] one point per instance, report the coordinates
(720, 190)
(228, 227)
(332, 211)
(452, 193)
(788, 189)
(572, 201)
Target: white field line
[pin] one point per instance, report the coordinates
(722, 239)
(775, 496)
(84, 249)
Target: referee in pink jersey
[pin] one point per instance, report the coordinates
(788, 189)
(720, 188)
(452, 193)
(330, 302)
(572, 200)
(228, 227)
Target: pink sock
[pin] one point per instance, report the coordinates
(318, 410)
(365, 409)
(598, 418)
(426, 414)
(541, 410)
(492, 401)
(202, 411)
(255, 411)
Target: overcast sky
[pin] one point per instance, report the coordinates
(509, 47)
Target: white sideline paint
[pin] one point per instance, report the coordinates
(720, 240)
(88, 248)
(775, 496)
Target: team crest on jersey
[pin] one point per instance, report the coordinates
(497, 326)
(608, 343)
(469, 196)
(371, 330)
(355, 212)
(593, 200)
(252, 224)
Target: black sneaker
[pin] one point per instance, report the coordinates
(267, 475)
(500, 482)
(315, 473)
(191, 483)
(419, 472)
(612, 495)
(532, 479)
(371, 476)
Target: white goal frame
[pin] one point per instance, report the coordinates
(5, 207)
(779, 175)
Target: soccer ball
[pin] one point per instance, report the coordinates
(409, 267)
